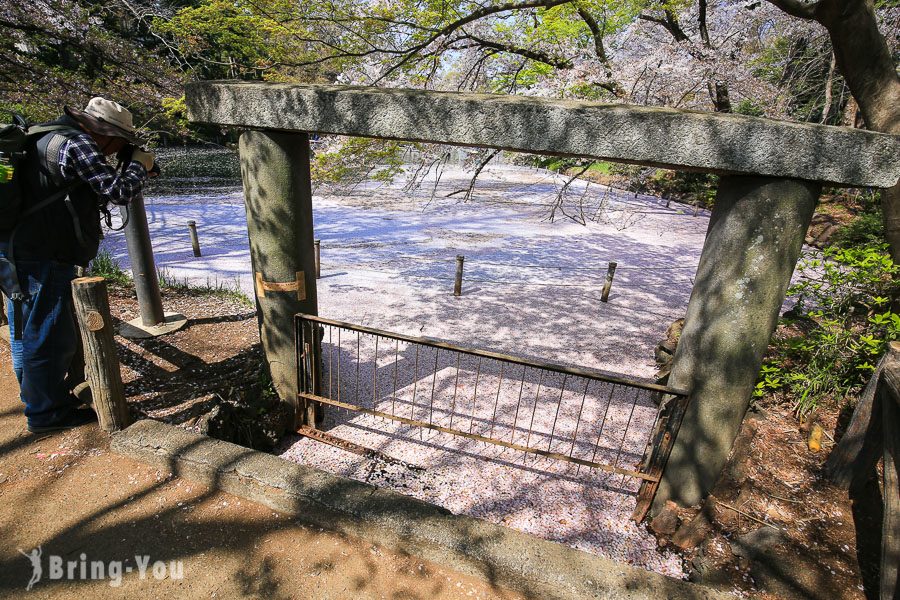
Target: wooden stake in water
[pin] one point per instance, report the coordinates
(457, 286)
(195, 241)
(317, 245)
(607, 285)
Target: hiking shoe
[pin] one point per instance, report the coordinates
(80, 416)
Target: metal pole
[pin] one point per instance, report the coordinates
(457, 286)
(143, 267)
(318, 259)
(195, 241)
(607, 285)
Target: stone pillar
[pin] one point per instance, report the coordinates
(754, 239)
(278, 198)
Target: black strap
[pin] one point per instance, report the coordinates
(79, 234)
(42, 129)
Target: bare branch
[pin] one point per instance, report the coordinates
(559, 63)
(670, 23)
(596, 33)
(471, 17)
(481, 165)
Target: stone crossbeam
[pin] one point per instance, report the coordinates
(657, 137)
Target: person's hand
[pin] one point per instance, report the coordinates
(145, 158)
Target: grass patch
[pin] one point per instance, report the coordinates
(104, 265)
(219, 289)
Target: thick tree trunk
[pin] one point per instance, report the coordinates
(866, 63)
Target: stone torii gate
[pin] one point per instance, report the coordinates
(772, 175)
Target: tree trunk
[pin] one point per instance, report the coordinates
(865, 61)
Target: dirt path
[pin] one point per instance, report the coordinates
(67, 494)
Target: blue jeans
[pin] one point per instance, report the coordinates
(41, 359)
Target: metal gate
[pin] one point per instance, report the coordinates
(576, 415)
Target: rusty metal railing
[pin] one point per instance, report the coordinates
(580, 416)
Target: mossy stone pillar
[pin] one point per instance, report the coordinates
(752, 245)
(278, 199)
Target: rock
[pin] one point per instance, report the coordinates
(692, 533)
(674, 331)
(666, 522)
(665, 350)
(662, 355)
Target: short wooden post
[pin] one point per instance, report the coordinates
(457, 285)
(195, 241)
(318, 245)
(95, 323)
(607, 285)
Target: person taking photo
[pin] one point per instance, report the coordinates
(43, 249)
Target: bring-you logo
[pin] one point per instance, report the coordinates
(58, 569)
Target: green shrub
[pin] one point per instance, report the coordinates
(865, 230)
(837, 331)
(104, 265)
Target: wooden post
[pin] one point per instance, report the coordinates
(607, 285)
(457, 286)
(873, 433)
(3, 319)
(95, 323)
(195, 241)
(852, 461)
(890, 526)
(318, 259)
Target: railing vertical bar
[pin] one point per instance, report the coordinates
(412, 413)
(512, 438)
(375, 378)
(558, 406)
(455, 390)
(627, 425)
(358, 336)
(433, 384)
(587, 383)
(396, 369)
(475, 395)
(612, 390)
(497, 401)
(330, 363)
(534, 408)
(340, 363)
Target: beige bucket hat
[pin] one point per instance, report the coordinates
(107, 118)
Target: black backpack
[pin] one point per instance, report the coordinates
(15, 142)
(16, 145)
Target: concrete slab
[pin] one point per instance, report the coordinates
(136, 330)
(509, 558)
(661, 137)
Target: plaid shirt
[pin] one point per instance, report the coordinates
(81, 158)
